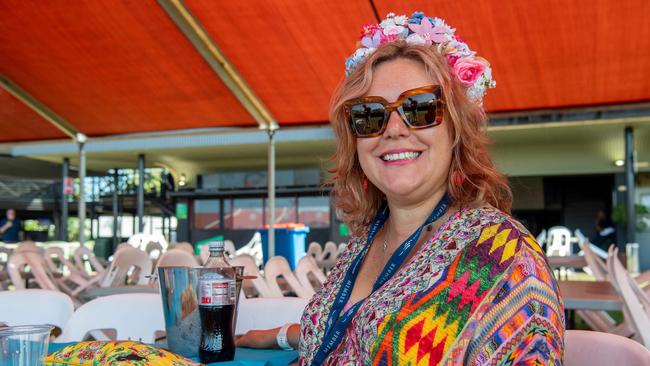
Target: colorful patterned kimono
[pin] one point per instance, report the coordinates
(479, 292)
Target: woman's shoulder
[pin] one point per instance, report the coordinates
(495, 234)
(493, 222)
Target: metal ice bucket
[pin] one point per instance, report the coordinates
(178, 289)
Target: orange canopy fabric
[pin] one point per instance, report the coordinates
(19, 123)
(118, 66)
(111, 67)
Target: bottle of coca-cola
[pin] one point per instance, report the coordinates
(217, 307)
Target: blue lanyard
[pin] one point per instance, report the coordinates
(337, 323)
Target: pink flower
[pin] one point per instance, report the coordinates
(428, 32)
(385, 38)
(369, 30)
(467, 70)
(452, 60)
(373, 41)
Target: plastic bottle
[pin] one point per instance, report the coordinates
(217, 307)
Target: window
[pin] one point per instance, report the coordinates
(285, 210)
(314, 211)
(207, 214)
(243, 213)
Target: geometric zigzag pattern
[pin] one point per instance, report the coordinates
(526, 317)
(479, 293)
(428, 325)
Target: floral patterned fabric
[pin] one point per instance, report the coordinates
(115, 353)
(479, 292)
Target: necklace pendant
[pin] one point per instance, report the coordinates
(385, 245)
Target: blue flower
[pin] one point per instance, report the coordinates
(416, 18)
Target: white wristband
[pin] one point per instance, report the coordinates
(281, 338)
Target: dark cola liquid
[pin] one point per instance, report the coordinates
(217, 335)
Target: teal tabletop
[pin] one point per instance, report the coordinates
(243, 356)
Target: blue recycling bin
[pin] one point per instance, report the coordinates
(290, 242)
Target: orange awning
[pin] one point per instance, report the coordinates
(115, 67)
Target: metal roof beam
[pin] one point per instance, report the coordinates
(40, 108)
(218, 62)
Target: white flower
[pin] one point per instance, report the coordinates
(393, 29)
(387, 23)
(401, 20)
(362, 53)
(475, 93)
(415, 39)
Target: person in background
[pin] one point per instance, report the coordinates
(437, 271)
(11, 230)
(605, 233)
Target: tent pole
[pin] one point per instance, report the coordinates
(115, 208)
(140, 202)
(63, 226)
(271, 188)
(629, 182)
(81, 214)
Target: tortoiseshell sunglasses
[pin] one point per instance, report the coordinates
(419, 108)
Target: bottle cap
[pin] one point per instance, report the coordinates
(216, 245)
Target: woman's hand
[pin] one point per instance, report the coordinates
(259, 339)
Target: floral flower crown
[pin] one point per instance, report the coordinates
(472, 71)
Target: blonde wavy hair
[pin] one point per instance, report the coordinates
(481, 183)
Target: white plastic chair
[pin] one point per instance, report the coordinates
(154, 249)
(250, 269)
(5, 253)
(125, 260)
(229, 248)
(342, 247)
(83, 255)
(35, 306)
(559, 241)
(635, 301)
(177, 258)
(278, 266)
(69, 278)
(306, 266)
(602, 349)
(315, 250)
(253, 248)
(141, 240)
(184, 246)
(28, 246)
(133, 316)
(17, 263)
(267, 313)
(204, 253)
(330, 255)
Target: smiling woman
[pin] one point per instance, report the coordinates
(437, 272)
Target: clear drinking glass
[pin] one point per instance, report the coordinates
(24, 345)
(632, 254)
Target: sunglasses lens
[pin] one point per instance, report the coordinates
(420, 110)
(367, 118)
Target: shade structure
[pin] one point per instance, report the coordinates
(117, 66)
(20, 123)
